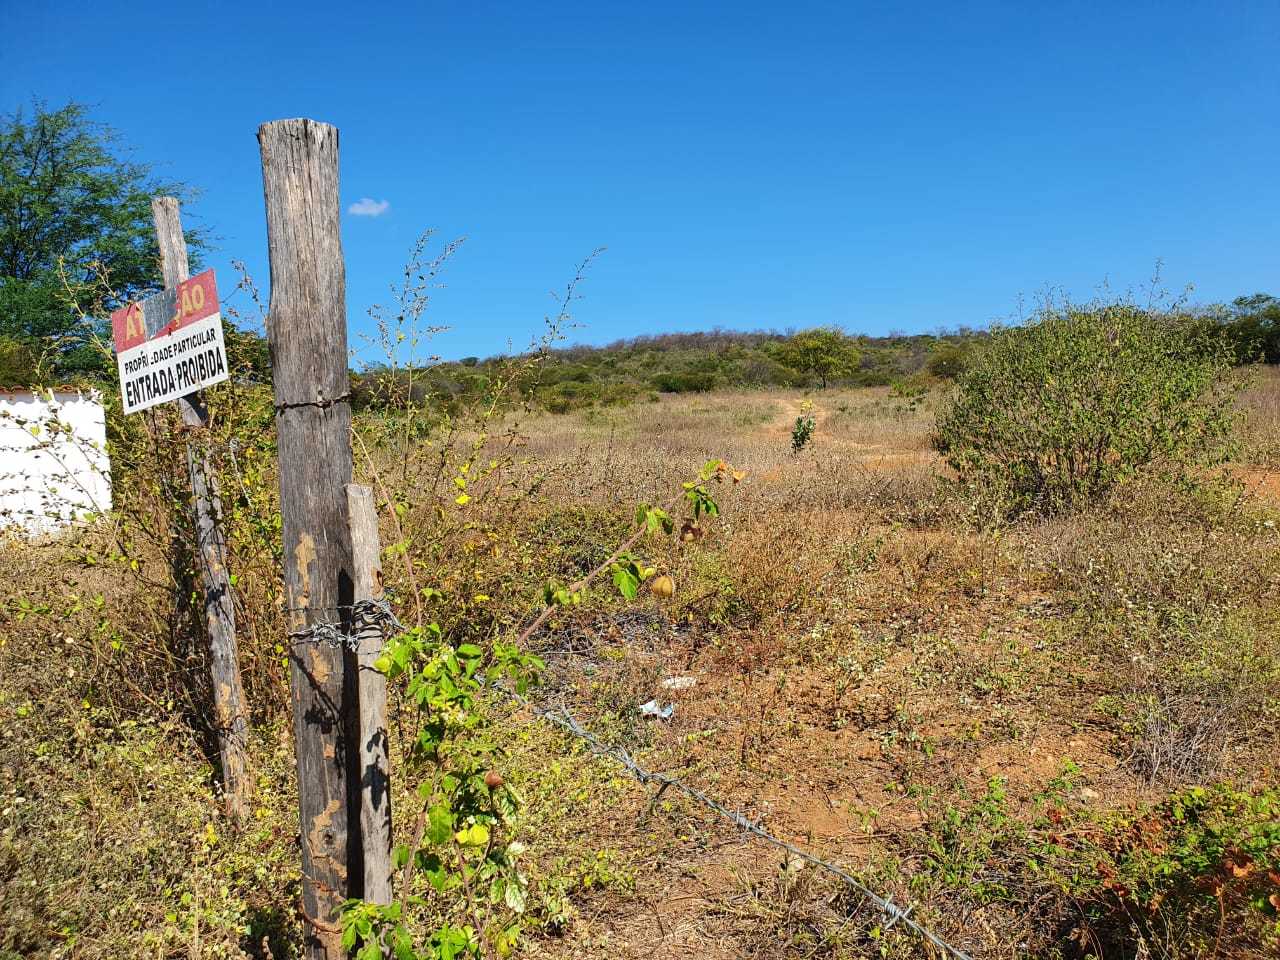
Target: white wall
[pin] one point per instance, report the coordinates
(53, 458)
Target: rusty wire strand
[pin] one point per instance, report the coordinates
(380, 611)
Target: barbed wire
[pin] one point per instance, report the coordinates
(363, 615)
(564, 719)
(380, 611)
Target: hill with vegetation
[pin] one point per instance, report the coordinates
(641, 368)
(574, 377)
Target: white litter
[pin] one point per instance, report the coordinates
(654, 709)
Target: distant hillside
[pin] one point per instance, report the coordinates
(570, 378)
(580, 376)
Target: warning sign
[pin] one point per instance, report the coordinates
(170, 345)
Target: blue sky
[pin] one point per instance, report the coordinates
(880, 167)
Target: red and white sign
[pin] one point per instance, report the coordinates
(171, 344)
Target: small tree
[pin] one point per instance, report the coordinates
(823, 352)
(949, 358)
(1252, 324)
(1055, 413)
(72, 212)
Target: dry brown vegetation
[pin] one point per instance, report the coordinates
(961, 713)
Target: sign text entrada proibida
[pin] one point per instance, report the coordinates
(170, 344)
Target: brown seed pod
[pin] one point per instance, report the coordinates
(493, 780)
(690, 531)
(662, 586)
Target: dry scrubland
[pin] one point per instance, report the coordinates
(1001, 725)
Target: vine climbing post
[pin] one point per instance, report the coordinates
(230, 722)
(307, 327)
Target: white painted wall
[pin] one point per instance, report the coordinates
(53, 458)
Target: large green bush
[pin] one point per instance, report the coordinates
(687, 381)
(1054, 413)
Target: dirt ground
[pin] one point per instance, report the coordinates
(958, 713)
(904, 663)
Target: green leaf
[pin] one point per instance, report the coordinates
(399, 856)
(402, 945)
(431, 866)
(439, 824)
(625, 581)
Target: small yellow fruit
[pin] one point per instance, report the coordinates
(662, 586)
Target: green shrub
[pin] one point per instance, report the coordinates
(1194, 876)
(802, 432)
(20, 363)
(569, 395)
(692, 381)
(949, 359)
(1053, 414)
(1251, 326)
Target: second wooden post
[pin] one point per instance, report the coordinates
(374, 769)
(231, 723)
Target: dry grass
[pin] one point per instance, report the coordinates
(866, 659)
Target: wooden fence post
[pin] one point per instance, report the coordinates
(231, 724)
(307, 327)
(374, 769)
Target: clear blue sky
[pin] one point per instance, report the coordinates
(747, 165)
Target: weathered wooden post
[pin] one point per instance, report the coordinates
(230, 722)
(374, 769)
(307, 328)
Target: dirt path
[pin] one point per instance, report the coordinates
(828, 434)
(791, 409)
(1261, 482)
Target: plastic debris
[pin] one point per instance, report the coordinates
(678, 683)
(654, 709)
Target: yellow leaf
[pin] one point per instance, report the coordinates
(476, 835)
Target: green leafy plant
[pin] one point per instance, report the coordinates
(802, 432)
(909, 394)
(464, 842)
(628, 573)
(465, 835)
(963, 842)
(1056, 413)
(1204, 854)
